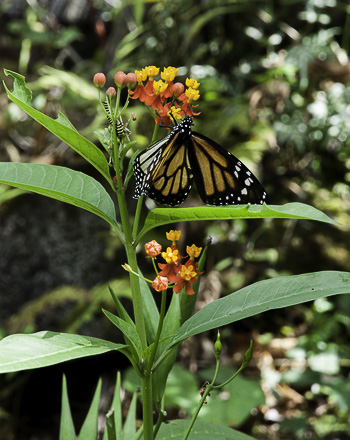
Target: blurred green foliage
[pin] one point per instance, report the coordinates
(275, 91)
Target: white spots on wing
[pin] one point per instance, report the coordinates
(244, 191)
(247, 182)
(236, 174)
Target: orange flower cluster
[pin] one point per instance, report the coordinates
(173, 271)
(163, 94)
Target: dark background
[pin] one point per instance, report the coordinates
(275, 91)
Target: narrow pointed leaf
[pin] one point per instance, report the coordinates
(67, 431)
(150, 310)
(110, 432)
(89, 430)
(163, 216)
(128, 329)
(129, 428)
(114, 416)
(62, 184)
(262, 296)
(22, 95)
(23, 352)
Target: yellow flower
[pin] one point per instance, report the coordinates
(169, 73)
(159, 86)
(151, 71)
(171, 256)
(173, 235)
(187, 273)
(192, 94)
(174, 112)
(193, 251)
(141, 75)
(190, 82)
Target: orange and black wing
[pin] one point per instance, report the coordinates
(221, 178)
(163, 172)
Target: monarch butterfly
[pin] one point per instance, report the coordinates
(166, 169)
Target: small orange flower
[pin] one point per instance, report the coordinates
(174, 112)
(188, 276)
(160, 283)
(173, 236)
(151, 71)
(192, 94)
(193, 251)
(169, 73)
(192, 83)
(171, 256)
(153, 248)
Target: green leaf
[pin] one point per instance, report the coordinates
(262, 296)
(114, 416)
(62, 184)
(22, 95)
(23, 352)
(175, 429)
(67, 431)
(20, 90)
(150, 310)
(129, 428)
(110, 432)
(128, 330)
(89, 430)
(163, 216)
(170, 327)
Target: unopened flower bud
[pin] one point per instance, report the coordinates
(131, 79)
(218, 347)
(178, 89)
(160, 283)
(126, 267)
(111, 92)
(120, 79)
(134, 116)
(99, 80)
(153, 248)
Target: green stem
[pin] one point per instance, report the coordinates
(208, 388)
(147, 407)
(159, 329)
(136, 293)
(161, 415)
(137, 217)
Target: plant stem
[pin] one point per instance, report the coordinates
(147, 407)
(137, 217)
(136, 293)
(159, 329)
(208, 388)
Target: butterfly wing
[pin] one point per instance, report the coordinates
(162, 171)
(220, 177)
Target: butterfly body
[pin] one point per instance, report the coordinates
(165, 171)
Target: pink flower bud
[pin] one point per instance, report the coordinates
(153, 248)
(120, 79)
(99, 80)
(178, 89)
(111, 92)
(160, 283)
(131, 79)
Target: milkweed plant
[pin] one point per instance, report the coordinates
(164, 172)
